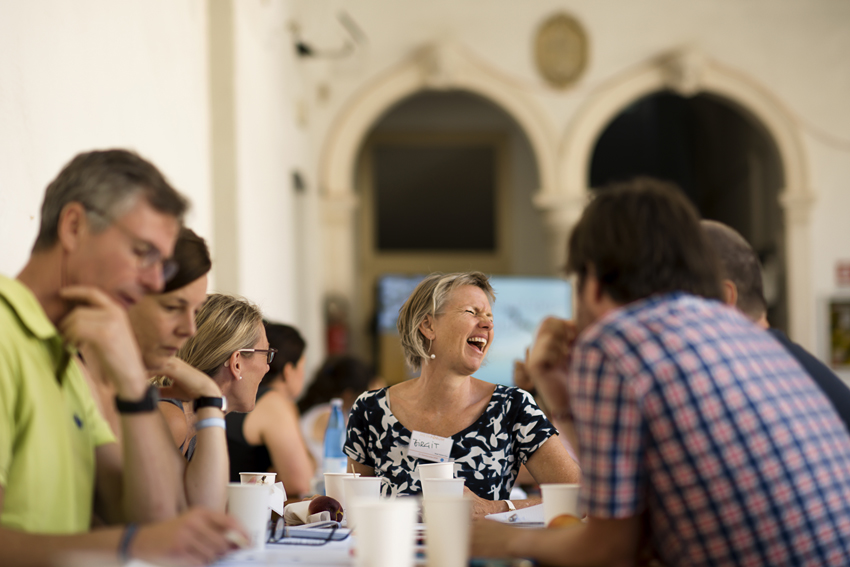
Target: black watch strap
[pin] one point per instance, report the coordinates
(208, 402)
(146, 404)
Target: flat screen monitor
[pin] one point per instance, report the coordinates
(521, 305)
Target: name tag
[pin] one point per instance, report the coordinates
(430, 447)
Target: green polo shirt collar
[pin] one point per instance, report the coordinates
(26, 306)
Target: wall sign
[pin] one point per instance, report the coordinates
(560, 50)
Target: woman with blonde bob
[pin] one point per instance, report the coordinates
(446, 329)
(230, 347)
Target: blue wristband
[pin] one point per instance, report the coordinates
(126, 540)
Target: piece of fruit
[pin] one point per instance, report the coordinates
(326, 504)
(563, 520)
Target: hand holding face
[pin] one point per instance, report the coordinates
(521, 377)
(101, 324)
(188, 383)
(548, 362)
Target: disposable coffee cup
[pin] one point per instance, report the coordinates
(385, 532)
(559, 499)
(436, 470)
(334, 486)
(257, 477)
(249, 504)
(448, 522)
(276, 490)
(361, 488)
(442, 487)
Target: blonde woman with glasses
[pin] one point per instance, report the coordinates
(231, 348)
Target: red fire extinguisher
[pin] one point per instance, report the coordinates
(336, 316)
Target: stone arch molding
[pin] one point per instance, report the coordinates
(440, 66)
(688, 72)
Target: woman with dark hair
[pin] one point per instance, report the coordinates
(268, 438)
(341, 376)
(162, 324)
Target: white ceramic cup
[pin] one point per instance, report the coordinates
(363, 488)
(448, 522)
(385, 532)
(436, 470)
(334, 487)
(442, 487)
(249, 504)
(559, 499)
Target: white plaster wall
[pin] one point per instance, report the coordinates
(798, 50)
(94, 74)
(97, 73)
(267, 150)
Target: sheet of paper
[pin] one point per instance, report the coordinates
(530, 515)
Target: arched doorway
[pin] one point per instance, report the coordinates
(689, 73)
(441, 68)
(724, 162)
(445, 181)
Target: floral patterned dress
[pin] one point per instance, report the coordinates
(488, 453)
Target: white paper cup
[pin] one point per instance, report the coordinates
(448, 522)
(276, 490)
(257, 477)
(559, 499)
(442, 487)
(362, 488)
(385, 532)
(436, 470)
(249, 504)
(334, 487)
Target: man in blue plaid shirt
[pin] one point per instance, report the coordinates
(702, 441)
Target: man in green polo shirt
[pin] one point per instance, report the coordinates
(108, 226)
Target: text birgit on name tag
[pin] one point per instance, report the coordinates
(430, 447)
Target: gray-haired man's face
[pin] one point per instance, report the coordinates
(118, 259)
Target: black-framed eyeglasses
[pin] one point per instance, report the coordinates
(270, 352)
(279, 533)
(145, 252)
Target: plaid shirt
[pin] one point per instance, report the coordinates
(688, 411)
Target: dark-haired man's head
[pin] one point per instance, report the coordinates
(637, 239)
(740, 271)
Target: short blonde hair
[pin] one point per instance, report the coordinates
(429, 298)
(225, 324)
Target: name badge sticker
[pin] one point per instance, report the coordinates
(430, 447)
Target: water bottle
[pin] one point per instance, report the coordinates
(335, 459)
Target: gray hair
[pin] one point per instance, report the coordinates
(107, 184)
(740, 264)
(429, 298)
